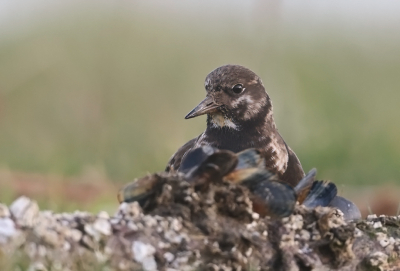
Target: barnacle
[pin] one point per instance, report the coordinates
(207, 165)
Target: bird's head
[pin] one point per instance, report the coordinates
(235, 95)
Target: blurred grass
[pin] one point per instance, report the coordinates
(109, 90)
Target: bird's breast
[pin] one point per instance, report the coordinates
(272, 146)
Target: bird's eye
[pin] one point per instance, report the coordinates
(238, 88)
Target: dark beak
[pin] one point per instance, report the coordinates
(206, 106)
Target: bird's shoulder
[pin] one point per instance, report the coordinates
(294, 171)
(175, 161)
(275, 152)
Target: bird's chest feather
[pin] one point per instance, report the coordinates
(272, 146)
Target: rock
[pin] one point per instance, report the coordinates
(143, 253)
(216, 230)
(25, 211)
(4, 212)
(102, 226)
(7, 230)
(103, 215)
(378, 260)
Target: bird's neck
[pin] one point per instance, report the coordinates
(229, 133)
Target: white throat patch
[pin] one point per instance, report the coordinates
(218, 121)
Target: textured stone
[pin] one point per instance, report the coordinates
(7, 229)
(214, 231)
(4, 212)
(25, 211)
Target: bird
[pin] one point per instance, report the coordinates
(240, 116)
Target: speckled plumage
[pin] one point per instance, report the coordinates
(239, 116)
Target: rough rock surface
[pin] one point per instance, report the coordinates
(186, 228)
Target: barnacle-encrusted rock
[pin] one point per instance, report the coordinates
(185, 228)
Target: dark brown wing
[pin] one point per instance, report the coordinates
(294, 171)
(175, 161)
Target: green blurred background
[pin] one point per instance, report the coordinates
(94, 94)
